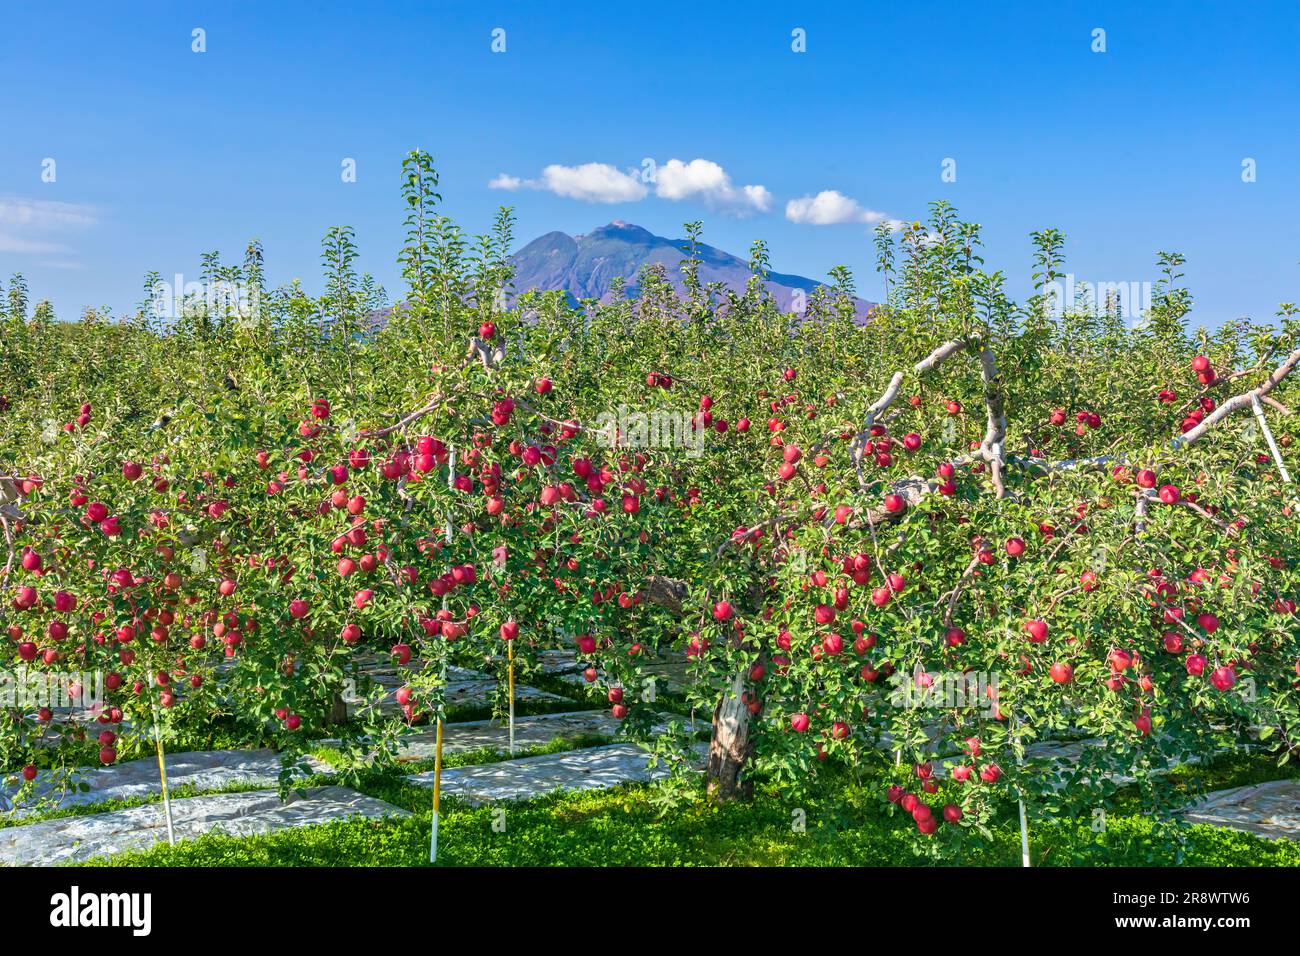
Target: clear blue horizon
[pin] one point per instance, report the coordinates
(162, 153)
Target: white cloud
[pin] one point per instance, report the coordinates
(707, 181)
(43, 215)
(700, 179)
(30, 226)
(829, 208)
(18, 244)
(590, 182)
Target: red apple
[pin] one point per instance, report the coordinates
(1223, 678)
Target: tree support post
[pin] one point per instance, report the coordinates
(162, 777)
(1024, 823)
(1024, 834)
(1268, 437)
(437, 794)
(437, 749)
(510, 653)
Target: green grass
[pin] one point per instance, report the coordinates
(846, 824)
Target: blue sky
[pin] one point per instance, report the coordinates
(162, 153)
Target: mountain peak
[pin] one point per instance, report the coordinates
(626, 231)
(585, 266)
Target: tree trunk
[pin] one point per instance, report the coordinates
(338, 710)
(730, 747)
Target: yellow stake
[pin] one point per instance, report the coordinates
(437, 794)
(162, 776)
(510, 650)
(437, 752)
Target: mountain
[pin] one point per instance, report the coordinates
(586, 266)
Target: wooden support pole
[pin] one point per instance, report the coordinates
(437, 794)
(162, 777)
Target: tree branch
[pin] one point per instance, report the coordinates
(403, 421)
(1239, 402)
(858, 449)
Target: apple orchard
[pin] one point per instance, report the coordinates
(1077, 517)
